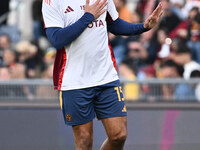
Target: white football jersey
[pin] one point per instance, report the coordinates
(89, 60)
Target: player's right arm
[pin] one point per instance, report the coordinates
(58, 35)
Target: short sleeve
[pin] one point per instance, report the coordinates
(51, 15)
(112, 13)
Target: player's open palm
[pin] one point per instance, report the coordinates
(97, 9)
(154, 18)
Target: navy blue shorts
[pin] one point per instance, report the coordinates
(80, 106)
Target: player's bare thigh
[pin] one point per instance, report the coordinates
(83, 136)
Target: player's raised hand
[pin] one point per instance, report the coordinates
(97, 9)
(154, 18)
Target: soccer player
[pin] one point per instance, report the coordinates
(85, 71)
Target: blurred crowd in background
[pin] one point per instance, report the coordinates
(22, 56)
(171, 50)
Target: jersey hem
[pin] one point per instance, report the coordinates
(112, 116)
(80, 122)
(88, 86)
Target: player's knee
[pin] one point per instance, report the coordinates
(119, 137)
(86, 138)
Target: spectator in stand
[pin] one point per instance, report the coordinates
(49, 56)
(124, 12)
(27, 56)
(15, 90)
(164, 50)
(169, 20)
(149, 92)
(38, 25)
(145, 7)
(157, 42)
(126, 72)
(183, 57)
(17, 69)
(181, 91)
(4, 44)
(146, 72)
(159, 49)
(150, 43)
(181, 31)
(136, 17)
(150, 6)
(189, 5)
(118, 45)
(4, 9)
(48, 72)
(196, 74)
(176, 8)
(137, 54)
(141, 6)
(118, 42)
(194, 41)
(46, 91)
(5, 73)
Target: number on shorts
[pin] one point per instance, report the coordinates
(119, 92)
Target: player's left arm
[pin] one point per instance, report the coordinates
(121, 27)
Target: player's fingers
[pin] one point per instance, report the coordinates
(148, 20)
(158, 9)
(103, 4)
(97, 2)
(101, 12)
(87, 2)
(103, 1)
(160, 15)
